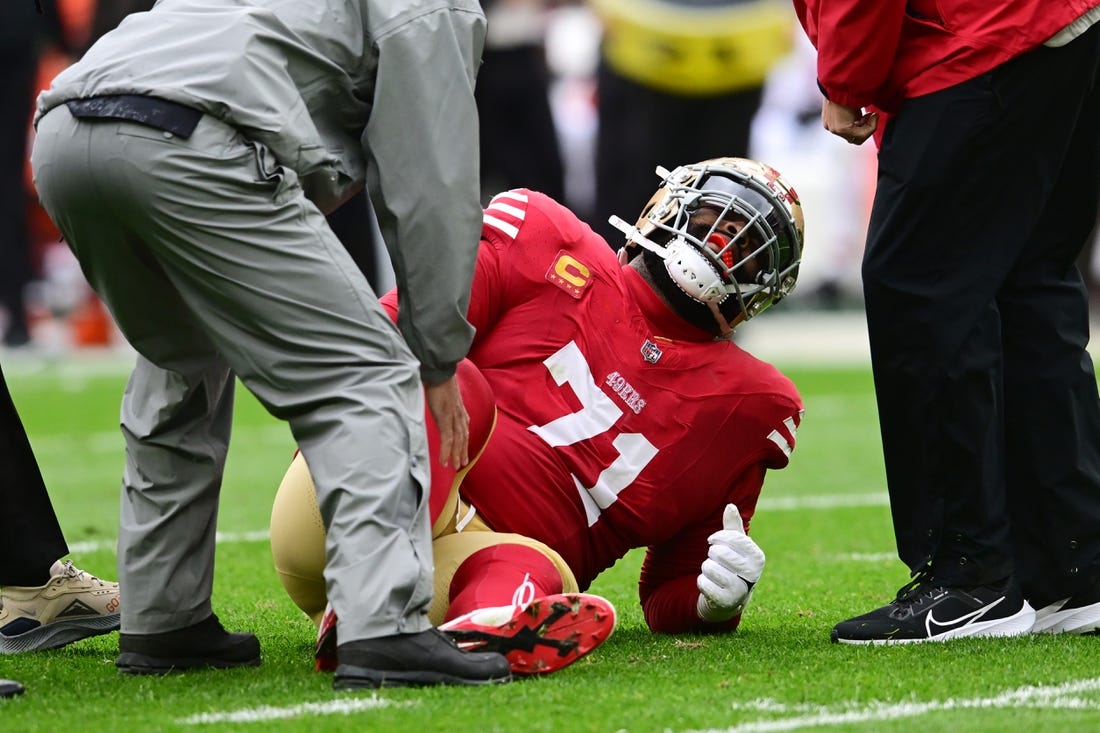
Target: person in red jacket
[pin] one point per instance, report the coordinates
(621, 416)
(987, 117)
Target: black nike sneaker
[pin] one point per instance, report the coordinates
(10, 688)
(1075, 614)
(924, 611)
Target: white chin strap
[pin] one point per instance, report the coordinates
(689, 269)
(687, 266)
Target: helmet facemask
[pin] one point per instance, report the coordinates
(729, 232)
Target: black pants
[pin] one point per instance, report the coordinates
(641, 128)
(20, 65)
(519, 143)
(978, 320)
(31, 538)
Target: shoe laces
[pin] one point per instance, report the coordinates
(68, 571)
(919, 581)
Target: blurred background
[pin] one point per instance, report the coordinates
(578, 99)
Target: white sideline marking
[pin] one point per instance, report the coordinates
(868, 556)
(783, 503)
(111, 441)
(822, 501)
(267, 712)
(260, 535)
(1049, 696)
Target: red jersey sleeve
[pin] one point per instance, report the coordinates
(514, 221)
(666, 586)
(389, 303)
(856, 44)
(521, 230)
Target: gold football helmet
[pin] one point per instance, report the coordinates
(730, 233)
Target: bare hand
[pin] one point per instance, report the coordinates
(445, 403)
(849, 123)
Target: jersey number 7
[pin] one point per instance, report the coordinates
(597, 415)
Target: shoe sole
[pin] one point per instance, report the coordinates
(1083, 620)
(1018, 624)
(10, 688)
(548, 635)
(143, 664)
(349, 677)
(58, 634)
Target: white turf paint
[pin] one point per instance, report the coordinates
(260, 535)
(109, 442)
(783, 503)
(822, 501)
(1052, 696)
(1061, 696)
(345, 706)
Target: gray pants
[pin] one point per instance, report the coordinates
(214, 264)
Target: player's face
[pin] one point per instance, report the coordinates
(702, 221)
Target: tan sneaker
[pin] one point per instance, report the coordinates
(72, 606)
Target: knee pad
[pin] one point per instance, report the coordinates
(298, 540)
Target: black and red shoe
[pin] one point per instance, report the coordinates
(539, 637)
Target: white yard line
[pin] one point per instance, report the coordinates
(111, 441)
(228, 538)
(1061, 696)
(341, 706)
(822, 501)
(785, 503)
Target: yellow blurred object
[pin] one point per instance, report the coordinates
(695, 48)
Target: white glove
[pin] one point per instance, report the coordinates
(733, 565)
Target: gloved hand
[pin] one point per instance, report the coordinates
(733, 565)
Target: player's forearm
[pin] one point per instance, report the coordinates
(671, 608)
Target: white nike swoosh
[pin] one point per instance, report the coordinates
(963, 620)
(1053, 607)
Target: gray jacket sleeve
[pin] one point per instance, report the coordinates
(421, 142)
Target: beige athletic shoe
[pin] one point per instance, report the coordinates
(72, 606)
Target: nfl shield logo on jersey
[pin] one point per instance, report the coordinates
(651, 352)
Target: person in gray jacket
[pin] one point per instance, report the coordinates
(189, 159)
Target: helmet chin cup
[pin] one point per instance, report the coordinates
(687, 266)
(693, 272)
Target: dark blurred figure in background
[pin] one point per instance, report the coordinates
(680, 82)
(24, 32)
(519, 144)
(354, 225)
(109, 13)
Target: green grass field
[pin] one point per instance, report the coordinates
(823, 522)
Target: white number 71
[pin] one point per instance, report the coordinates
(597, 415)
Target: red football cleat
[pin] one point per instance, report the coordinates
(539, 637)
(325, 651)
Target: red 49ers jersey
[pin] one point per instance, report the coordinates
(619, 424)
